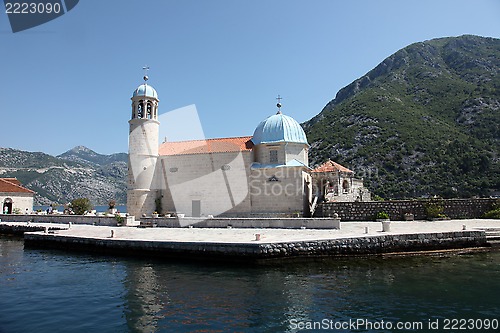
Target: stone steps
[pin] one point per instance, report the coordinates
(492, 234)
(494, 243)
(493, 237)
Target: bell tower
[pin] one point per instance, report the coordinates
(143, 151)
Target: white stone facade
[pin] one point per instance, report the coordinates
(206, 184)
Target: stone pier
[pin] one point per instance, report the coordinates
(257, 244)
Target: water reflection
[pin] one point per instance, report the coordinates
(10, 256)
(213, 298)
(195, 298)
(144, 298)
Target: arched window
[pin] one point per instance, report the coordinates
(345, 186)
(140, 109)
(7, 206)
(330, 187)
(149, 110)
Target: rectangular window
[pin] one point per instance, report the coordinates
(273, 156)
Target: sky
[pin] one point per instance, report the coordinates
(69, 81)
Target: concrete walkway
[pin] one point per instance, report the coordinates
(242, 236)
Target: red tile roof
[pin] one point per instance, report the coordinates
(12, 185)
(12, 180)
(221, 145)
(330, 166)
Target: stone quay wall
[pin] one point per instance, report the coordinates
(65, 219)
(366, 211)
(19, 230)
(255, 252)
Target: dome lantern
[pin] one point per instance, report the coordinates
(145, 90)
(145, 101)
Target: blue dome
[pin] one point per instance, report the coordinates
(145, 90)
(279, 128)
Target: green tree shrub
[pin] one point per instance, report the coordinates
(494, 213)
(382, 215)
(119, 218)
(434, 210)
(81, 205)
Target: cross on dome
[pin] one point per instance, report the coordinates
(279, 98)
(146, 69)
(145, 89)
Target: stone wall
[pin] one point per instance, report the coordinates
(285, 223)
(248, 252)
(65, 219)
(366, 211)
(282, 223)
(20, 229)
(219, 181)
(278, 190)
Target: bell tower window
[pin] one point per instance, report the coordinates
(140, 109)
(148, 110)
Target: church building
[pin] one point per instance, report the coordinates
(263, 175)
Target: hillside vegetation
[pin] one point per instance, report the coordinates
(424, 122)
(79, 172)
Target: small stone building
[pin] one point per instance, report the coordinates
(334, 182)
(14, 197)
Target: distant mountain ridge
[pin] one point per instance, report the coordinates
(423, 122)
(79, 172)
(85, 155)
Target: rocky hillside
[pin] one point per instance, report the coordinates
(423, 122)
(79, 172)
(87, 156)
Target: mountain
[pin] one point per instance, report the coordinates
(85, 155)
(79, 172)
(423, 122)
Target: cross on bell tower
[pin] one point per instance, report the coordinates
(146, 69)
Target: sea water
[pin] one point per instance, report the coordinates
(55, 291)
